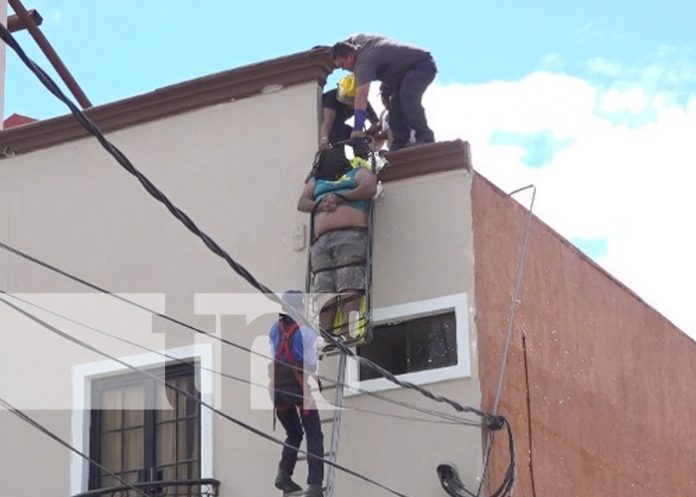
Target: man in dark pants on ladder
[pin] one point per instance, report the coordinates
(407, 69)
(294, 345)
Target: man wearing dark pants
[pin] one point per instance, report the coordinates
(293, 348)
(406, 68)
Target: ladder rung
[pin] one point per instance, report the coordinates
(299, 493)
(331, 353)
(324, 388)
(304, 457)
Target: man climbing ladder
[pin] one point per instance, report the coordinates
(293, 350)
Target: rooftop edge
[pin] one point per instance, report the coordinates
(241, 82)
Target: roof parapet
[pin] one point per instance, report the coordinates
(241, 82)
(426, 159)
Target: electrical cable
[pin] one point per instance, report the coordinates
(222, 374)
(511, 319)
(382, 397)
(27, 419)
(195, 398)
(452, 484)
(529, 416)
(90, 126)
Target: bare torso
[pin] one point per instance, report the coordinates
(344, 216)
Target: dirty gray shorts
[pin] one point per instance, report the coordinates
(345, 250)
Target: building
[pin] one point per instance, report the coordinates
(232, 150)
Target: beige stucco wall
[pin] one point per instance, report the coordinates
(237, 170)
(423, 249)
(228, 166)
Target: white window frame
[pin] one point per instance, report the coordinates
(84, 374)
(413, 310)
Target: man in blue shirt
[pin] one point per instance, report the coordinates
(293, 348)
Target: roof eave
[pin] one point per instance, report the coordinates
(209, 90)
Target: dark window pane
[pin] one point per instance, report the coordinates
(432, 343)
(166, 405)
(111, 451)
(111, 420)
(414, 345)
(133, 449)
(181, 383)
(168, 473)
(166, 441)
(133, 405)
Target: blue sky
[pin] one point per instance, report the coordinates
(592, 101)
(118, 48)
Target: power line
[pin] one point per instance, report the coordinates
(24, 417)
(529, 416)
(511, 319)
(222, 374)
(194, 398)
(384, 398)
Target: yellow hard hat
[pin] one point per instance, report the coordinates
(346, 89)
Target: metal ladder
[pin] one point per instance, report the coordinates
(366, 321)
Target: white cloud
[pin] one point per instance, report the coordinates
(604, 67)
(633, 185)
(595, 32)
(551, 61)
(671, 68)
(614, 101)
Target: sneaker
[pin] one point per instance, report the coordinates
(314, 490)
(284, 482)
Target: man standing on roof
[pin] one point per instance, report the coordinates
(293, 349)
(409, 70)
(337, 108)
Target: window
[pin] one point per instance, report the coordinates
(130, 435)
(412, 345)
(421, 342)
(143, 431)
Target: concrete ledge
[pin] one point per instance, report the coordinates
(426, 159)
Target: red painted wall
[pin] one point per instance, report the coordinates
(611, 381)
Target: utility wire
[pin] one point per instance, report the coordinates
(511, 319)
(195, 398)
(529, 416)
(492, 421)
(222, 374)
(24, 417)
(447, 416)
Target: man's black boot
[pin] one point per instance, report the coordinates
(285, 483)
(314, 490)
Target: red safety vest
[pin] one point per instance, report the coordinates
(285, 369)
